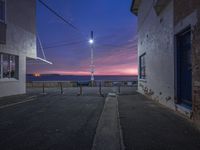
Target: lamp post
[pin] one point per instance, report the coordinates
(91, 41)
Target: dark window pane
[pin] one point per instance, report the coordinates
(6, 66)
(142, 67)
(2, 10)
(0, 67)
(14, 66)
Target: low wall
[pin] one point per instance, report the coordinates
(65, 84)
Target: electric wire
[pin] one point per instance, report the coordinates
(63, 19)
(59, 16)
(63, 45)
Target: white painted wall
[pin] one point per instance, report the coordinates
(20, 41)
(156, 38)
(13, 86)
(20, 33)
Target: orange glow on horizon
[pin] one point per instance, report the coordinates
(36, 74)
(125, 71)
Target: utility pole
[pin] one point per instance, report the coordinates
(92, 70)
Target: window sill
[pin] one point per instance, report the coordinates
(184, 109)
(8, 80)
(2, 21)
(143, 80)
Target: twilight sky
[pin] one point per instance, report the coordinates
(114, 29)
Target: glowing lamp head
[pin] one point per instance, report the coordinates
(91, 41)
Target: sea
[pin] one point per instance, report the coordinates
(56, 77)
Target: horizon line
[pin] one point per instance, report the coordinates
(84, 75)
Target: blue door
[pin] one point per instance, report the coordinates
(184, 67)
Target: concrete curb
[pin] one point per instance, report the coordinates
(108, 133)
(120, 129)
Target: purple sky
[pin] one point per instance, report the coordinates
(114, 29)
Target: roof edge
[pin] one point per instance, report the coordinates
(135, 6)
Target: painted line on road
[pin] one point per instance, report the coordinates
(32, 98)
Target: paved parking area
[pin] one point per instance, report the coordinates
(51, 121)
(69, 122)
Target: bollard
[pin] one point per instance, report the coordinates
(43, 88)
(100, 90)
(81, 90)
(92, 83)
(119, 90)
(61, 88)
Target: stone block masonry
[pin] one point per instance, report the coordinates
(196, 70)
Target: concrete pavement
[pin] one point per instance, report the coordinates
(148, 125)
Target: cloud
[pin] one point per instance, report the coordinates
(109, 60)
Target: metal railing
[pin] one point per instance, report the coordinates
(61, 85)
(51, 84)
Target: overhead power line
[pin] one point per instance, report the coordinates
(64, 44)
(59, 16)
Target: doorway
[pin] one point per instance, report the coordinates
(184, 67)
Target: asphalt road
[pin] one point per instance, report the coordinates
(69, 122)
(50, 122)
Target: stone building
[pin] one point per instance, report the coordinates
(17, 43)
(169, 53)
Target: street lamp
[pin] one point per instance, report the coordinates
(91, 41)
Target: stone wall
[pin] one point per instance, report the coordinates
(196, 70)
(182, 9)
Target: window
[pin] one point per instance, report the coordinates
(142, 71)
(1, 66)
(9, 66)
(2, 10)
(6, 66)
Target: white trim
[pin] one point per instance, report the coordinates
(8, 80)
(46, 61)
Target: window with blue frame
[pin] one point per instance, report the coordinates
(2, 11)
(142, 66)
